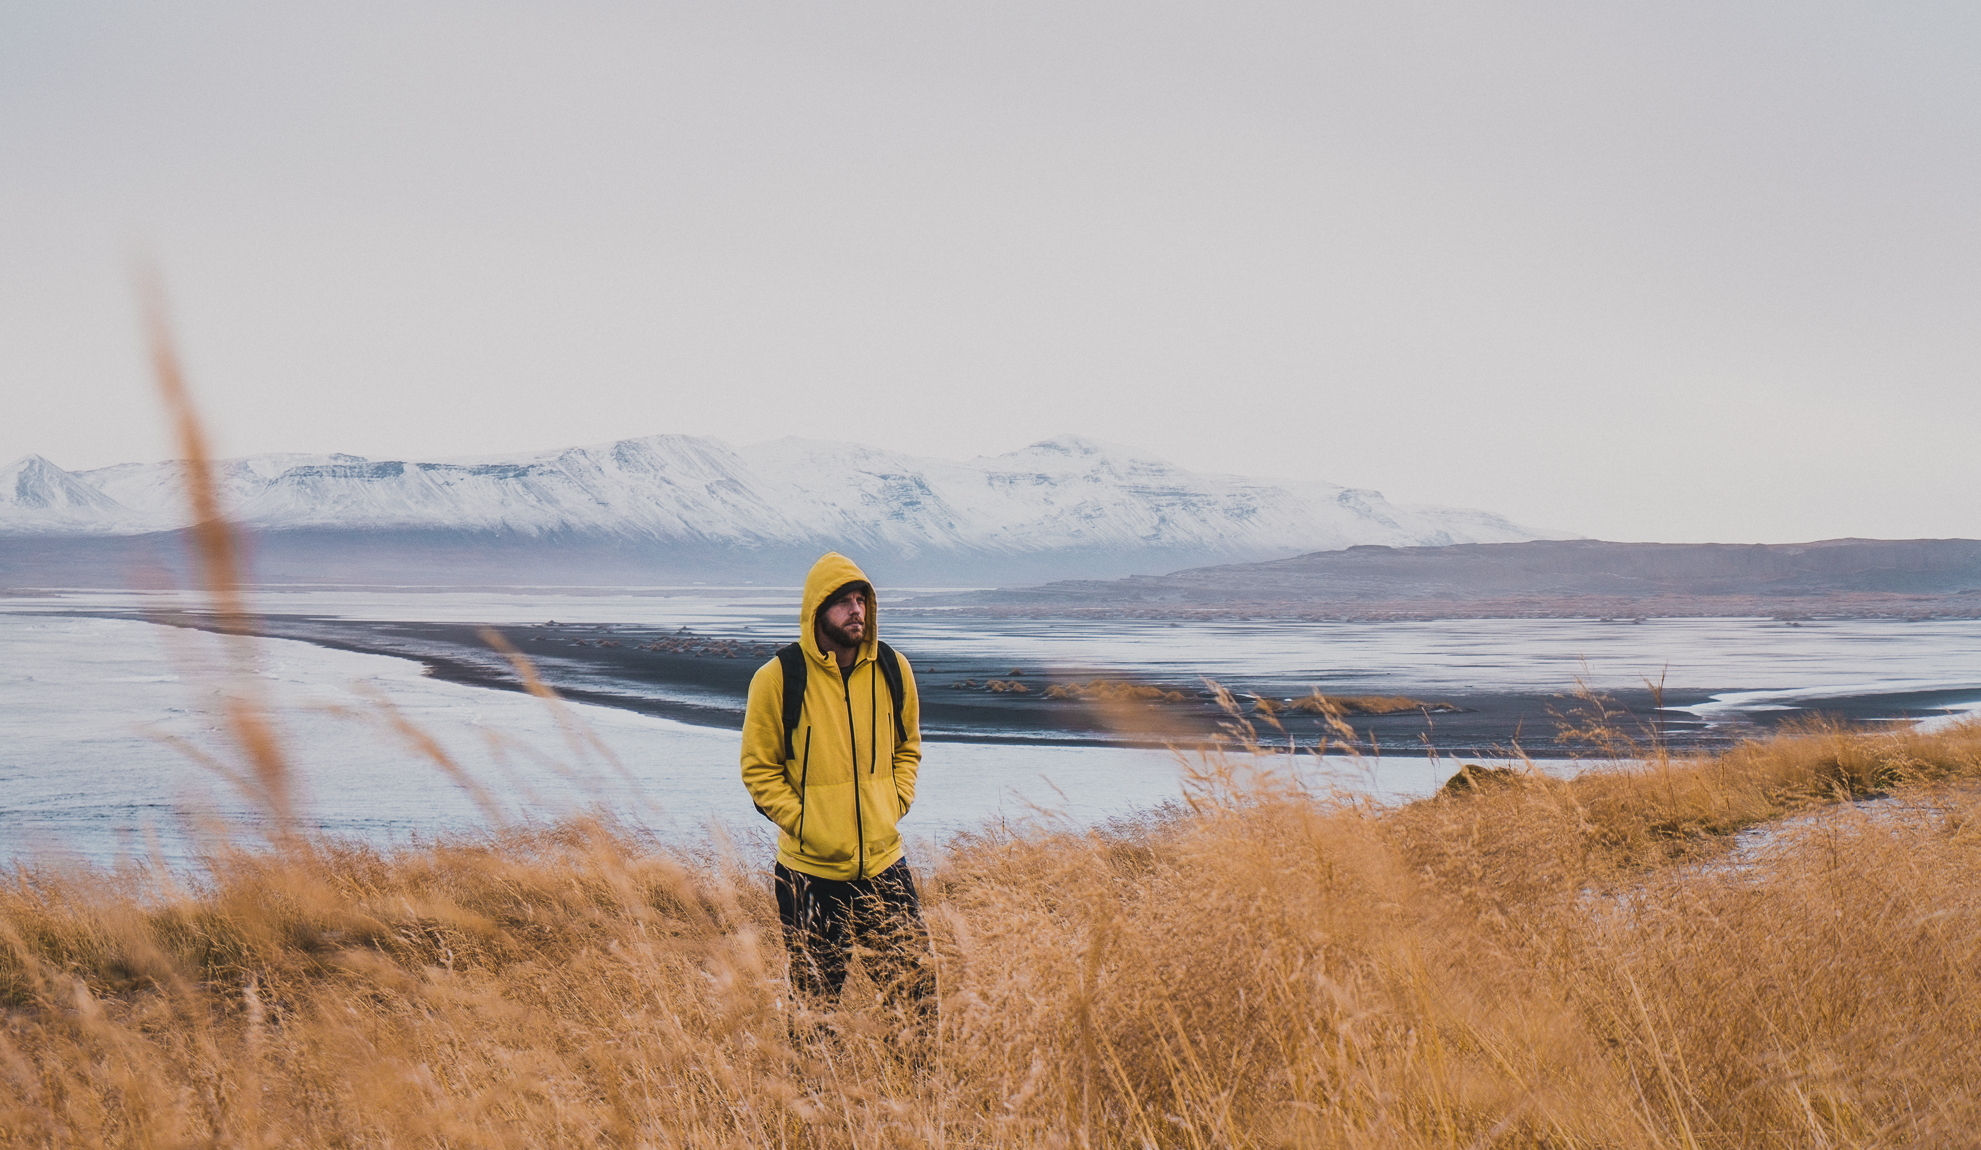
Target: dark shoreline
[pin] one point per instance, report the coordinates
(703, 679)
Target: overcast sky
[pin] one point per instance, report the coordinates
(1668, 271)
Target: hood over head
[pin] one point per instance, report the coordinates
(828, 575)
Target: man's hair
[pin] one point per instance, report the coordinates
(859, 585)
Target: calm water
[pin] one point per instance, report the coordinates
(104, 721)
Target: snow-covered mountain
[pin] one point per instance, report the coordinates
(37, 496)
(1062, 496)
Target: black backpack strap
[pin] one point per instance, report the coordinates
(792, 658)
(890, 670)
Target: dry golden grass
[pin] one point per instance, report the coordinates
(1545, 963)
(1571, 963)
(1339, 705)
(1114, 691)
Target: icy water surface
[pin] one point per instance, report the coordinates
(102, 719)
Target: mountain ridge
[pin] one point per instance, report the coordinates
(1065, 505)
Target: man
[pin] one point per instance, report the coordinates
(835, 779)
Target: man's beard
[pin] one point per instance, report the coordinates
(841, 636)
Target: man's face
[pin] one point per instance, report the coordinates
(844, 620)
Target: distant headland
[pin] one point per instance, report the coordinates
(1562, 578)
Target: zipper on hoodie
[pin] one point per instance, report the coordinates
(853, 755)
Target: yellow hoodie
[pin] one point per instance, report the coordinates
(847, 780)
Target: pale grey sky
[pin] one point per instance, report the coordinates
(1673, 271)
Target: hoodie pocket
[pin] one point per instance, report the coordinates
(883, 804)
(804, 779)
(832, 827)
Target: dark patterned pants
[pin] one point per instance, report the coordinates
(825, 919)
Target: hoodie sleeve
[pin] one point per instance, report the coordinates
(908, 754)
(763, 750)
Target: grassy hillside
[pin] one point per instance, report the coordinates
(1527, 963)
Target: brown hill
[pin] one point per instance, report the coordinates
(1545, 577)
